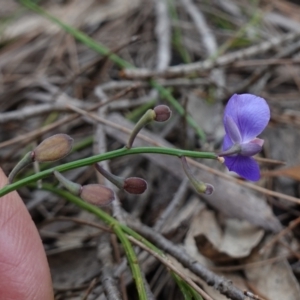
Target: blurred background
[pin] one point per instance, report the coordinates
(200, 53)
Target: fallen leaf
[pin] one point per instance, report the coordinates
(291, 172)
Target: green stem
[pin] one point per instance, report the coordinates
(105, 156)
(133, 262)
(117, 228)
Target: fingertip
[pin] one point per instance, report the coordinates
(24, 271)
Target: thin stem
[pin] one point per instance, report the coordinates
(105, 156)
(116, 227)
(133, 262)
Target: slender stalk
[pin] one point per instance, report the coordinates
(120, 231)
(116, 227)
(133, 262)
(105, 156)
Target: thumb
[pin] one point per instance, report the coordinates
(24, 271)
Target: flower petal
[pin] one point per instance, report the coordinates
(250, 113)
(227, 143)
(232, 130)
(245, 166)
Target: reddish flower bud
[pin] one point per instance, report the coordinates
(97, 194)
(53, 148)
(209, 189)
(135, 185)
(162, 113)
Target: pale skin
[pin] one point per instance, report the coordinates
(24, 270)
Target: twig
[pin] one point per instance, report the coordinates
(104, 255)
(163, 35)
(224, 60)
(179, 196)
(40, 131)
(221, 284)
(283, 232)
(100, 147)
(90, 288)
(209, 40)
(169, 264)
(253, 296)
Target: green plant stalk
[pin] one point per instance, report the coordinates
(121, 63)
(105, 156)
(185, 292)
(120, 229)
(116, 227)
(133, 262)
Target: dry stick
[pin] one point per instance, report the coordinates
(34, 110)
(221, 284)
(244, 183)
(100, 147)
(176, 201)
(198, 67)
(163, 35)
(38, 132)
(181, 82)
(108, 282)
(253, 296)
(283, 232)
(169, 264)
(209, 42)
(90, 288)
(262, 71)
(88, 66)
(164, 260)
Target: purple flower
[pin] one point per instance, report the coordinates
(245, 117)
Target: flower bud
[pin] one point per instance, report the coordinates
(97, 194)
(53, 148)
(162, 113)
(209, 189)
(135, 185)
(200, 186)
(132, 185)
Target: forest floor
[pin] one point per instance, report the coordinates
(193, 56)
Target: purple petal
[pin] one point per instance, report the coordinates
(232, 130)
(250, 113)
(245, 166)
(227, 143)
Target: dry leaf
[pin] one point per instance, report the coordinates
(272, 280)
(236, 241)
(291, 172)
